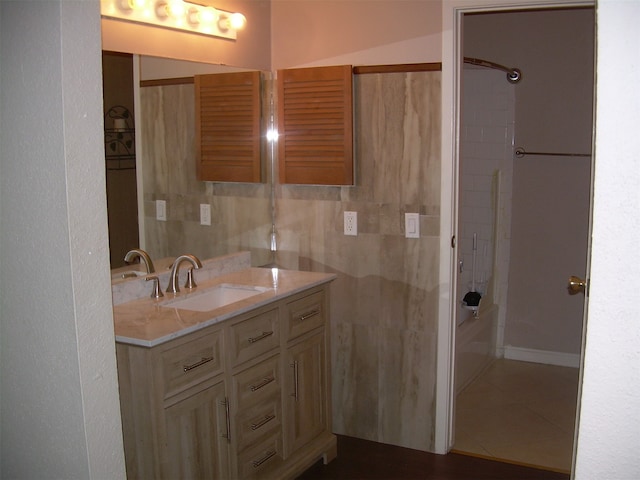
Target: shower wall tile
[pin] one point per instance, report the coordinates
(486, 148)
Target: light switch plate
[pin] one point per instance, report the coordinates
(412, 225)
(205, 214)
(161, 210)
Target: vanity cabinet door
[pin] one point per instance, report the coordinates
(306, 389)
(196, 436)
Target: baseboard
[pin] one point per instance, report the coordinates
(560, 359)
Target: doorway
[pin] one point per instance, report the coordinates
(524, 185)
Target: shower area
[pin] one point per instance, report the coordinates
(523, 186)
(484, 213)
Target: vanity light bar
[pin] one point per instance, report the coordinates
(177, 15)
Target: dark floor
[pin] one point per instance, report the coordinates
(362, 459)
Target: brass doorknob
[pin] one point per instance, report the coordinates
(576, 285)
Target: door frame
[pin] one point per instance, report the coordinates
(452, 14)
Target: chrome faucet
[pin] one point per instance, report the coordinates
(144, 256)
(175, 269)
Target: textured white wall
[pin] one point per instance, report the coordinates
(609, 428)
(60, 413)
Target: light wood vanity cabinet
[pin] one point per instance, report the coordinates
(245, 398)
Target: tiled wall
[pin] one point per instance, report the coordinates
(384, 301)
(486, 170)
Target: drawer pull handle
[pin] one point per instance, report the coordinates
(265, 381)
(267, 456)
(264, 421)
(204, 360)
(260, 337)
(307, 316)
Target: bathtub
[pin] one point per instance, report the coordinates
(475, 345)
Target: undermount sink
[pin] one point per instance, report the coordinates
(215, 297)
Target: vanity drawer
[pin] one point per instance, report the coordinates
(253, 336)
(191, 362)
(305, 314)
(257, 383)
(262, 460)
(259, 420)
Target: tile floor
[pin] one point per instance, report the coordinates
(519, 412)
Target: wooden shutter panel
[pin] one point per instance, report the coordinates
(315, 120)
(228, 118)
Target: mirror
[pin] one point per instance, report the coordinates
(163, 168)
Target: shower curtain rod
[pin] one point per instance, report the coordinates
(521, 152)
(514, 75)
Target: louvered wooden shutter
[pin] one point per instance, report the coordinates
(228, 118)
(315, 117)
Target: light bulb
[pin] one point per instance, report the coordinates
(176, 8)
(238, 21)
(208, 15)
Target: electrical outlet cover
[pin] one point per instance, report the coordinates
(351, 223)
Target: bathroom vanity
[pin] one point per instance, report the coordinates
(227, 390)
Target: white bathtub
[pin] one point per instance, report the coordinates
(475, 345)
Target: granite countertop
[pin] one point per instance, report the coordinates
(145, 322)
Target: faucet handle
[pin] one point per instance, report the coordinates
(157, 291)
(190, 283)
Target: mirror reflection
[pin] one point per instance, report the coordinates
(154, 199)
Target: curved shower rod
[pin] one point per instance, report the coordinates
(514, 75)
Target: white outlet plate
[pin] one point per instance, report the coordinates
(161, 210)
(412, 225)
(351, 223)
(205, 214)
